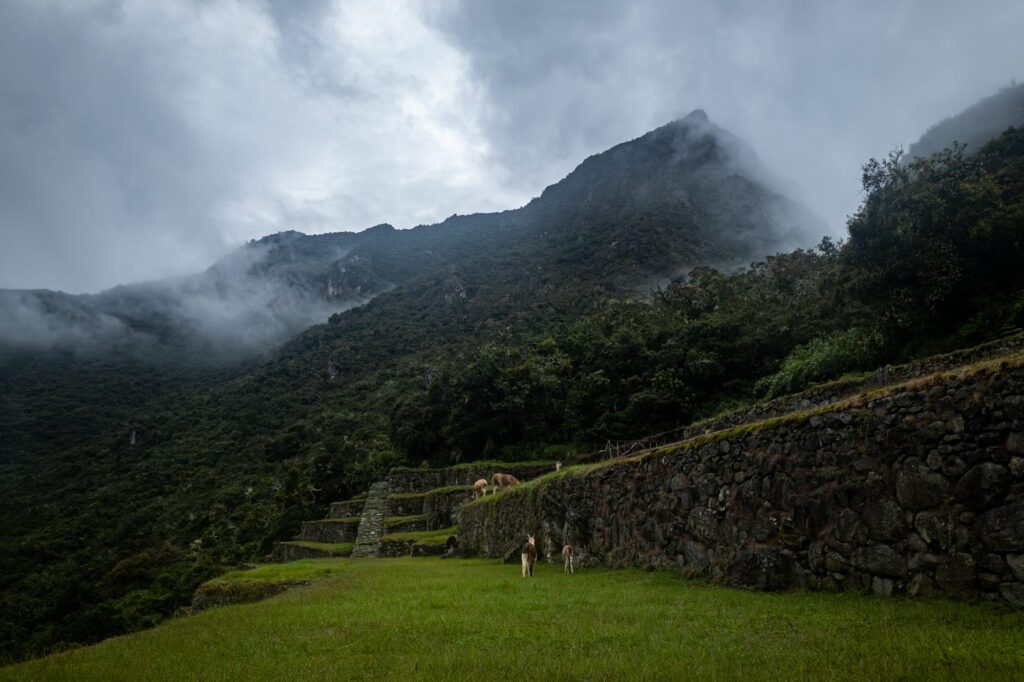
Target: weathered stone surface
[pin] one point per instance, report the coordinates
(764, 569)
(439, 508)
(371, 525)
(845, 503)
(920, 586)
(882, 586)
(403, 505)
(918, 487)
(935, 528)
(329, 530)
(884, 520)
(287, 551)
(1002, 529)
(880, 560)
(346, 509)
(703, 523)
(1015, 443)
(956, 573)
(1013, 593)
(816, 556)
(982, 485)
(1016, 564)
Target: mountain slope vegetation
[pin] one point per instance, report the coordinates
(975, 125)
(525, 333)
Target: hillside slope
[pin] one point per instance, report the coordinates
(104, 533)
(688, 193)
(508, 348)
(974, 126)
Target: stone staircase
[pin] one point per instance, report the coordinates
(410, 513)
(371, 527)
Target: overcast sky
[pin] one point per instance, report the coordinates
(146, 138)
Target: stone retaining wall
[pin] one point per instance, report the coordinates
(404, 506)
(413, 524)
(826, 394)
(400, 548)
(396, 548)
(346, 509)
(286, 551)
(329, 530)
(439, 508)
(920, 490)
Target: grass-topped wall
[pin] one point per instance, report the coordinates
(915, 488)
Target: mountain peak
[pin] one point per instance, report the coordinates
(695, 116)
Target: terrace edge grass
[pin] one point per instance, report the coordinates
(987, 365)
(423, 537)
(854, 379)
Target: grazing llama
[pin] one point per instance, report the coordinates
(480, 488)
(502, 481)
(529, 556)
(567, 554)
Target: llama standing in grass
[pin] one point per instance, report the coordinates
(558, 466)
(480, 488)
(502, 481)
(529, 556)
(567, 555)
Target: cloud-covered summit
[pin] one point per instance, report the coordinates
(145, 139)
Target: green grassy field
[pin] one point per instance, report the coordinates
(428, 619)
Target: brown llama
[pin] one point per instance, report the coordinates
(480, 488)
(567, 555)
(502, 481)
(529, 556)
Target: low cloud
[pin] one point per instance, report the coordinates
(142, 140)
(246, 304)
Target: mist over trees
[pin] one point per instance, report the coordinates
(974, 126)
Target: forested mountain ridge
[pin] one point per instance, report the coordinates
(685, 194)
(975, 125)
(518, 337)
(131, 470)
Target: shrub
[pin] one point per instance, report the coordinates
(822, 359)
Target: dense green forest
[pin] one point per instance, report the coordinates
(476, 361)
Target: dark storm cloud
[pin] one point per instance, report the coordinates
(816, 88)
(144, 139)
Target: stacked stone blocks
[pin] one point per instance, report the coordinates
(915, 489)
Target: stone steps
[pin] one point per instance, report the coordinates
(371, 526)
